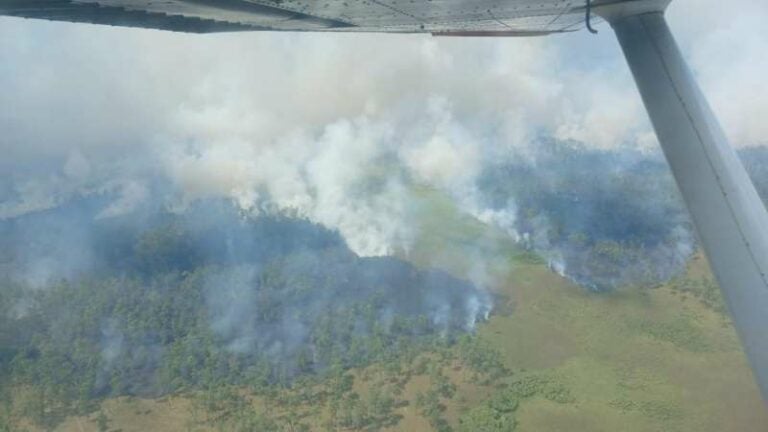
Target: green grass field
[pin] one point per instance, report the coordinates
(640, 359)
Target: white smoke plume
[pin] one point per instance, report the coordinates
(334, 128)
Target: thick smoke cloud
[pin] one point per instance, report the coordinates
(333, 128)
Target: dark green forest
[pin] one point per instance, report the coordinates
(605, 219)
(203, 303)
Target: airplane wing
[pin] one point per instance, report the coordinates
(439, 17)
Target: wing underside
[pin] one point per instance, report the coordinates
(440, 17)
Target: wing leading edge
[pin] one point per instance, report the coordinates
(439, 17)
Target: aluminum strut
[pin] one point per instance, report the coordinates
(730, 219)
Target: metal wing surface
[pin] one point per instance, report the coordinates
(441, 17)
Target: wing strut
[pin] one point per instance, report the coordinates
(588, 18)
(730, 219)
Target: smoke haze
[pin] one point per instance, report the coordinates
(245, 204)
(337, 129)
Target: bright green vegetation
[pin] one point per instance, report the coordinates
(637, 359)
(631, 361)
(552, 357)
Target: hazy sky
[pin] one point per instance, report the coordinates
(333, 127)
